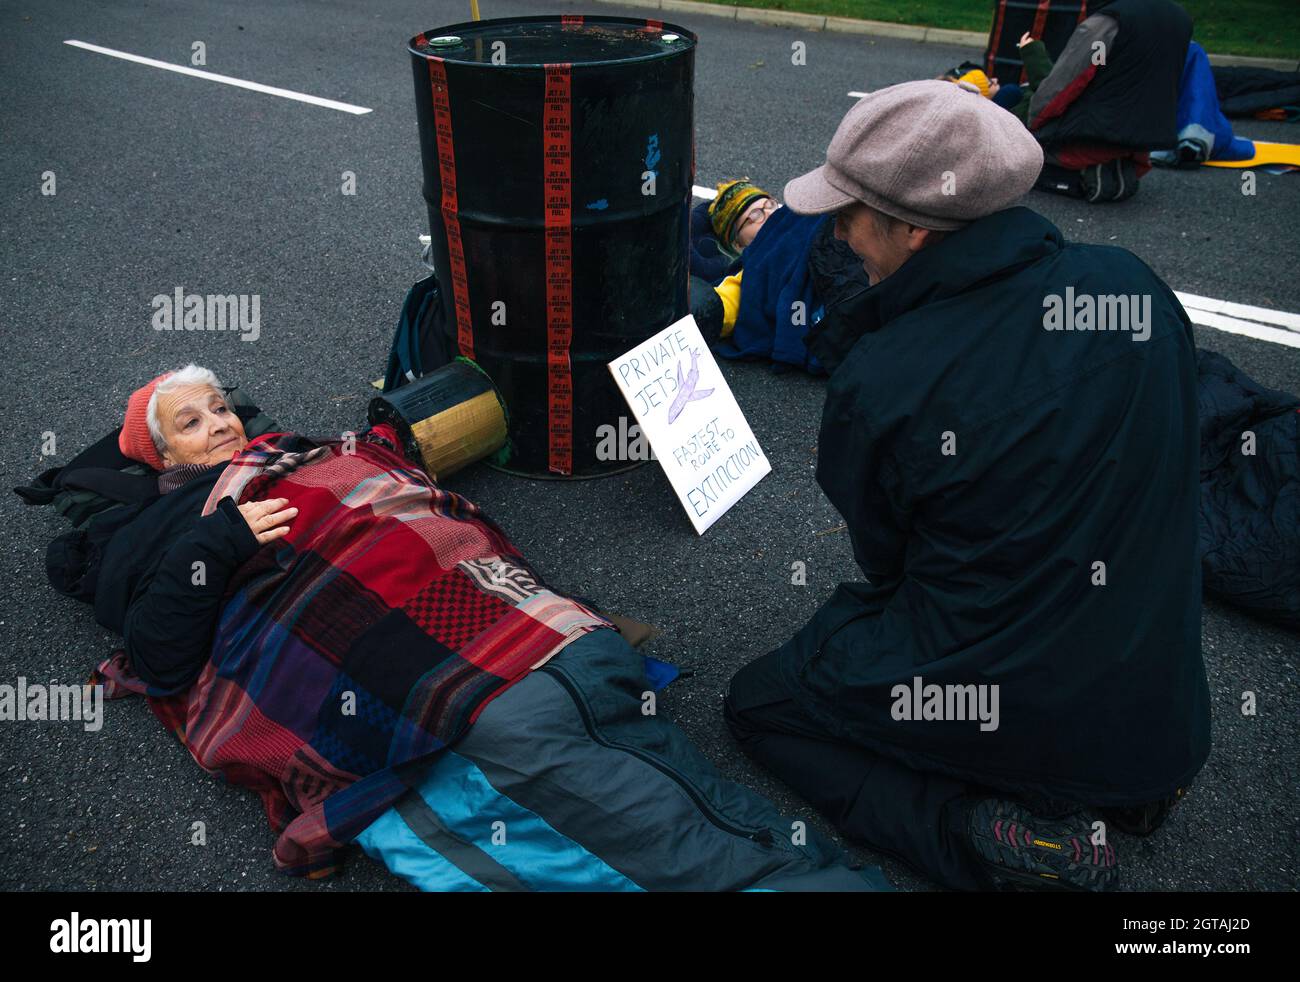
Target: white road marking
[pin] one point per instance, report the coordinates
(224, 79)
(1232, 325)
(857, 95)
(1240, 311)
(708, 194)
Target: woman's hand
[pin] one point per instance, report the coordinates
(1024, 39)
(269, 519)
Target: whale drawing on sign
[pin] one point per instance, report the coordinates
(686, 387)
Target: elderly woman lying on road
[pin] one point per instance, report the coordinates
(321, 622)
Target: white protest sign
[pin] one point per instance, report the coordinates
(687, 412)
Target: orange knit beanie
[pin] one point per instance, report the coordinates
(134, 440)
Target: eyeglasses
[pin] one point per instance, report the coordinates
(759, 214)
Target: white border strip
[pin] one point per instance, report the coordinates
(224, 79)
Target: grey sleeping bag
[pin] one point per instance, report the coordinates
(565, 783)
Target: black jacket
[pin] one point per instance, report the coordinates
(1071, 448)
(1246, 91)
(161, 578)
(1250, 493)
(1132, 100)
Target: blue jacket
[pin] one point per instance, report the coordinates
(777, 300)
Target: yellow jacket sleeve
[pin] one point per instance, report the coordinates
(729, 291)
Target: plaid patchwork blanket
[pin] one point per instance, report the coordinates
(369, 637)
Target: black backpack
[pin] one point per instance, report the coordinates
(420, 343)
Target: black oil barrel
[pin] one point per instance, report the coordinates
(1050, 21)
(558, 159)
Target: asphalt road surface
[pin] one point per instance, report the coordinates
(164, 180)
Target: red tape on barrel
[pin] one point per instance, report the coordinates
(995, 39)
(557, 176)
(450, 205)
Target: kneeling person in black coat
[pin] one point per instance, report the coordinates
(1010, 432)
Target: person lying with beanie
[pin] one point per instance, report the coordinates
(1010, 433)
(783, 269)
(722, 227)
(720, 231)
(320, 622)
(1014, 98)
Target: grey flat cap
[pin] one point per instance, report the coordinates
(931, 153)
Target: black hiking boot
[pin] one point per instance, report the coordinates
(1141, 820)
(1019, 849)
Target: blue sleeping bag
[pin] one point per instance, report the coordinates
(1204, 133)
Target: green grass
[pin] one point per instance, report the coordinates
(1264, 28)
